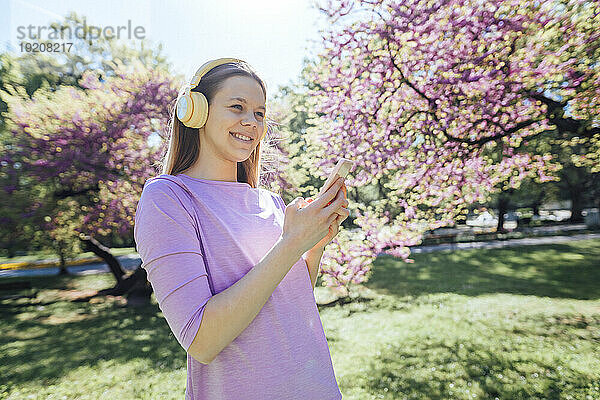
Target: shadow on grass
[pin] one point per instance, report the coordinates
(557, 270)
(44, 344)
(447, 370)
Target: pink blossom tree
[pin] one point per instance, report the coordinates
(90, 149)
(438, 101)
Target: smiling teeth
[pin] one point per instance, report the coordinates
(246, 138)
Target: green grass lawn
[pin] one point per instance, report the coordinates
(515, 323)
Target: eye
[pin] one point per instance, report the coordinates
(260, 113)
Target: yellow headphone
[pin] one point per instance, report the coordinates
(192, 107)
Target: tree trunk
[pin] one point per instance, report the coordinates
(503, 202)
(537, 202)
(576, 205)
(500, 226)
(63, 264)
(574, 182)
(140, 290)
(91, 244)
(134, 286)
(11, 251)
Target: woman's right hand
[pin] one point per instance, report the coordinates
(304, 227)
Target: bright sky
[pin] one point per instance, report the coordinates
(274, 36)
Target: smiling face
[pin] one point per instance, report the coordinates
(238, 107)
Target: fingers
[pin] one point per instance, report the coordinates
(341, 193)
(331, 219)
(336, 204)
(337, 220)
(335, 226)
(334, 222)
(297, 203)
(343, 213)
(330, 193)
(345, 203)
(302, 203)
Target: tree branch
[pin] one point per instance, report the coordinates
(555, 114)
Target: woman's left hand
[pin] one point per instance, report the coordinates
(334, 228)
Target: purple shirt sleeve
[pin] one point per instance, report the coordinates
(168, 245)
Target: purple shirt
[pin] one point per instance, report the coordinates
(283, 353)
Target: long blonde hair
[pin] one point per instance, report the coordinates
(184, 142)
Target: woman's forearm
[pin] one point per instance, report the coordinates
(313, 262)
(229, 312)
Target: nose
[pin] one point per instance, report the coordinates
(250, 120)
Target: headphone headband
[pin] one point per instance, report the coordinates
(207, 67)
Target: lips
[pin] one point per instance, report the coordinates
(243, 134)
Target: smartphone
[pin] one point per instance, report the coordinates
(341, 169)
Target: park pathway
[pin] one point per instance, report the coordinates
(130, 262)
(494, 244)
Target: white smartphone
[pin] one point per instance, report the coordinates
(341, 169)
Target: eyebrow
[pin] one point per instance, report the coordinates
(243, 100)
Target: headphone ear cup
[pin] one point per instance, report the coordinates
(184, 109)
(200, 110)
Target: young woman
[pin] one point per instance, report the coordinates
(232, 267)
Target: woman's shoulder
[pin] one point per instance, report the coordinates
(166, 189)
(163, 183)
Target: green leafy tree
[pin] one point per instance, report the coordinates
(23, 76)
